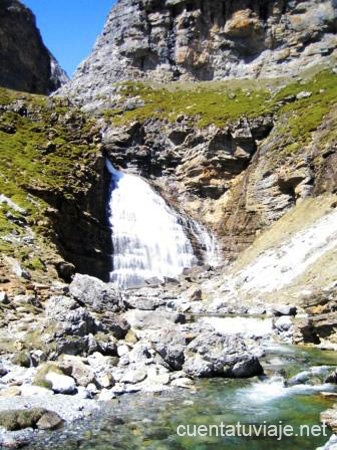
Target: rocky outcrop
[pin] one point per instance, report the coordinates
(26, 64)
(321, 322)
(166, 40)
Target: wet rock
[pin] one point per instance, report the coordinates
(248, 367)
(212, 354)
(332, 378)
(312, 376)
(96, 294)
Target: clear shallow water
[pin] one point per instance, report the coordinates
(150, 422)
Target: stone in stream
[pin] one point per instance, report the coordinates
(211, 354)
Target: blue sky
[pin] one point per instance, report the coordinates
(70, 27)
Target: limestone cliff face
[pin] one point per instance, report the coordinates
(165, 40)
(25, 62)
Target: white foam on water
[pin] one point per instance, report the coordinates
(149, 238)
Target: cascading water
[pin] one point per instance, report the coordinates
(148, 237)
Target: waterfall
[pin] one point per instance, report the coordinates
(148, 237)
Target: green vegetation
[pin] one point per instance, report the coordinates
(43, 370)
(305, 115)
(209, 104)
(222, 103)
(44, 147)
(19, 419)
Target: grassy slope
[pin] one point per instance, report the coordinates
(221, 103)
(42, 148)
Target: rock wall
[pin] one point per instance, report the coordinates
(26, 64)
(166, 40)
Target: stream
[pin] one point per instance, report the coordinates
(150, 421)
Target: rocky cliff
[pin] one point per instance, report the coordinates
(26, 64)
(166, 40)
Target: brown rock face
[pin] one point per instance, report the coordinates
(25, 62)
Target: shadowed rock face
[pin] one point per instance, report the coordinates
(25, 63)
(165, 40)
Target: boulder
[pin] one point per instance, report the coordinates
(95, 294)
(283, 323)
(69, 325)
(211, 354)
(170, 345)
(50, 421)
(113, 324)
(61, 384)
(82, 373)
(30, 418)
(134, 375)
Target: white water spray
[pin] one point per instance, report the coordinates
(149, 239)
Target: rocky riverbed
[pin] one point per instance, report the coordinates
(88, 343)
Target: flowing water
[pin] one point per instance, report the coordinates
(149, 238)
(149, 422)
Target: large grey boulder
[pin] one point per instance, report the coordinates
(212, 354)
(69, 325)
(95, 294)
(170, 345)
